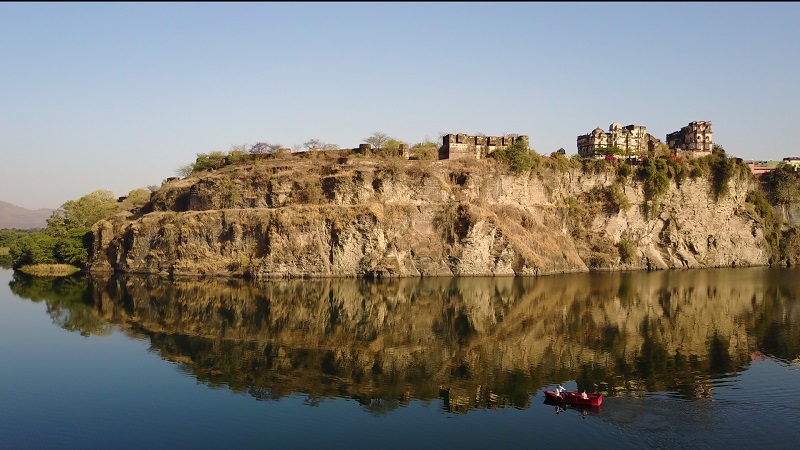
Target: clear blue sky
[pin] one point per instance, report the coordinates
(117, 96)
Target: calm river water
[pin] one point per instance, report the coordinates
(684, 359)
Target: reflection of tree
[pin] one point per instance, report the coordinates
(454, 327)
(473, 343)
(5, 262)
(518, 386)
(263, 393)
(68, 299)
(651, 364)
(379, 406)
(719, 355)
(778, 328)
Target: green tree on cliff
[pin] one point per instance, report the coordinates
(782, 185)
(184, 170)
(81, 213)
(378, 139)
(68, 238)
(610, 151)
(517, 155)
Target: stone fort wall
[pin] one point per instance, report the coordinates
(458, 146)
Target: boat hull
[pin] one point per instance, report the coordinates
(574, 398)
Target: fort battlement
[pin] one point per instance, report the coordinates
(459, 145)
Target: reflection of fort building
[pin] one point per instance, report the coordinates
(633, 140)
(692, 141)
(458, 146)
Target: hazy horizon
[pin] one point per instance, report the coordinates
(117, 96)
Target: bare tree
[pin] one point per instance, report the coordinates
(377, 139)
(264, 147)
(259, 148)
(185, 170)
(313, 144)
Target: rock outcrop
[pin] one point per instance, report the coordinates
(361, 217)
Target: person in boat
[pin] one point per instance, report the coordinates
(559, 390)
(584, 396)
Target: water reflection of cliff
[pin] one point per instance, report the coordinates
(474, 342)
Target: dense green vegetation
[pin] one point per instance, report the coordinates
(5, 259)
(627, 251)
(67, 239)
(518, 156)
(781, 188)
(7, 237)
(426, 150)
(782, 185)
(656, 173)
(772, 229)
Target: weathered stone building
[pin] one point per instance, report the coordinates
(692, 141)
(457, 146)
(634, 140)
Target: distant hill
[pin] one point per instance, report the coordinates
(13, 216)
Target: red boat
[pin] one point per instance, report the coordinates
(573, 398)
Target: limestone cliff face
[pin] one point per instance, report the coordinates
(355, 217)
(789, 214)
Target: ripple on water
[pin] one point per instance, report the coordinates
(742, 410)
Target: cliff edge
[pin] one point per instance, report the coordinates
(322, 215)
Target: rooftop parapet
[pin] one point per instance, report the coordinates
(460, 145)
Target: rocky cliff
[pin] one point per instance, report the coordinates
(355, 216)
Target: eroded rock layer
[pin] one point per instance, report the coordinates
(356, 217)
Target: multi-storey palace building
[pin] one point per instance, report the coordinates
(633, 140)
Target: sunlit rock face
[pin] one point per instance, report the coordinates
(357, 217)
(474, 342)
(790, 214)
